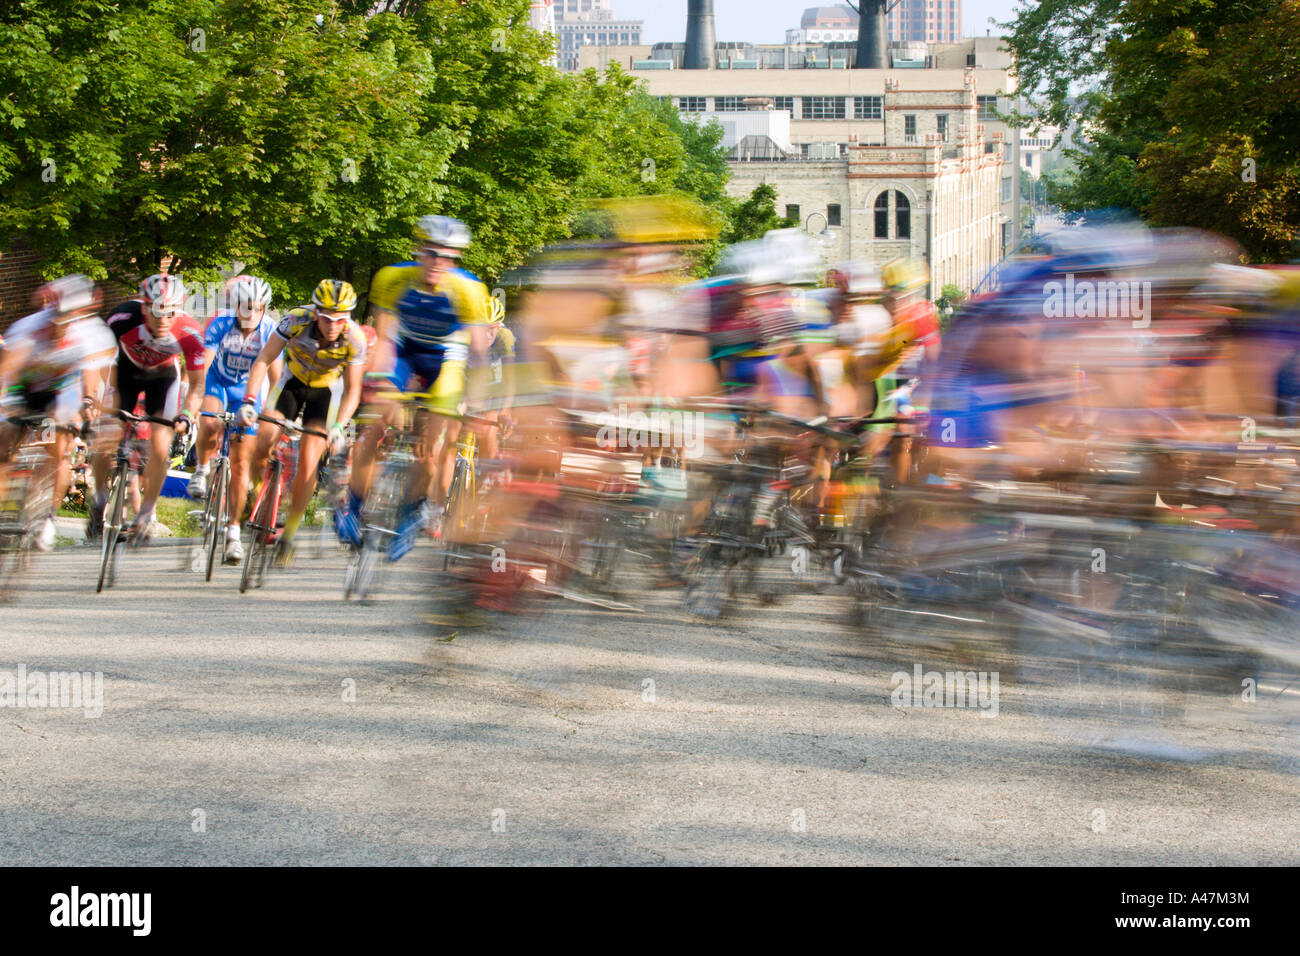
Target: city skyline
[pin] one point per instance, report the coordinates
(766, 21)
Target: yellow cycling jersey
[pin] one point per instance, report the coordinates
(311, 361)
(426, 319)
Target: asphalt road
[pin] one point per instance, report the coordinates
(577, 735)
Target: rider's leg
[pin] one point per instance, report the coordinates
(310, 449)
(241, 453)
(162, 400)
(155, 471)
(367, 448)
(209, 430)
(105, 442)
(8, 442)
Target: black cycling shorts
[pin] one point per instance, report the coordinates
(162, 392)
(293, 396)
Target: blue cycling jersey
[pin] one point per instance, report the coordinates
(234, 353)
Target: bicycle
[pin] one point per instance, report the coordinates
(388, 490)
(112, 543)
(216, 511)
(266, 509)
(28, 488)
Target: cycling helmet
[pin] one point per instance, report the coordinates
(498, 311)
(68, 296)
(442, 231)
(163, 290)
(334, 295)
(247, 293)
(856, 279)
(250, 292)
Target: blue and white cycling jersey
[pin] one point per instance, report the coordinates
(234, 354)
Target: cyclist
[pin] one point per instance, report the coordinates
(430, 317)
(493, 384)
(232, 342)
(321, 381)
(52, 365)
(152, 335)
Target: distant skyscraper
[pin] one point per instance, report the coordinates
(928, 21)
(580, 23)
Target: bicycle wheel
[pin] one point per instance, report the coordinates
(255, 558)
(215, 515)
(113, 516)
(13, 560)
(451, 512)
(380, 524)
(270, 520)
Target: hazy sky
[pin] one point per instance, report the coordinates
(765, 21)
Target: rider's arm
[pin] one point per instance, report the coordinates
(353, 377)
(385, 355)
(270, 355)
(11, 360)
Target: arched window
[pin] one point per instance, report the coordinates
(902, 216)
(882, 215)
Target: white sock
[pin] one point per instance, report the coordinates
(201, 470)
(232, 531)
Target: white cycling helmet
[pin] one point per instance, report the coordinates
(442, 231)
(69, 296)
(163, 290)
(245, 294)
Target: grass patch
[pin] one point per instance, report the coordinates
(174, 514)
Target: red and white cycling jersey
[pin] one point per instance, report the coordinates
(152, 354)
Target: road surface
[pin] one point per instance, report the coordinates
(578, 735)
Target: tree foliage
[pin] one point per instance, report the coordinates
(305, 137)
(1190, 109)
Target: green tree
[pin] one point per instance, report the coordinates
(755, 215)
(1180, 93)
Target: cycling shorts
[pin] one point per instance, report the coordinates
(162, 392)
(231, 397)
(60, 404)
(292, 396)
(420, 370)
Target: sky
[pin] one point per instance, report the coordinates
(765, 21)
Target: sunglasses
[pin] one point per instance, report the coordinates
(430, 252)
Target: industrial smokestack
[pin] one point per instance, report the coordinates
(873, 30)
(700, 36)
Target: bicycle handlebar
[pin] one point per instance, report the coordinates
(292, 427)
(137, 419)
(32, 421)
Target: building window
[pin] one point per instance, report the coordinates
(868, 107)
(693, 104)
(882, 215)
(728, 104)
(902, 216)
(792, 212)
(833, 214)
(1006, 189)
(909, 128)
(784, 103)
(988, 107)
(943, 126)
(823, 107)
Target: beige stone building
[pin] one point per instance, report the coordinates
(904, 161)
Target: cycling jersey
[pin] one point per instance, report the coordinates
(235, 354)
(52, 368)
(317, 364)
(155, 355)
(427, 321)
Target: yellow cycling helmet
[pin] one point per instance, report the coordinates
(640, 220)
(334, 295)
(498, 311)
(902, 276)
